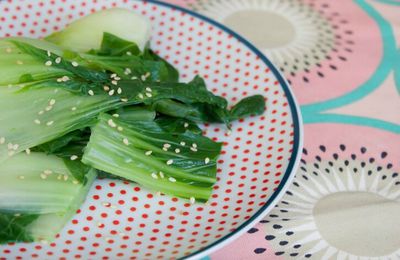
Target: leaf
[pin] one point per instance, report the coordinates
(13, 227)
(254, 105)
(112, 45)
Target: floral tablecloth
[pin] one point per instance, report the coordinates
(342, 59)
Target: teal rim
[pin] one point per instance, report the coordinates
(293, 108)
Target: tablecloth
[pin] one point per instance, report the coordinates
(342, 59)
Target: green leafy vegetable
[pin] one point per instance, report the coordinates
(254, 105)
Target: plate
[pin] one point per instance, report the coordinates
(121, 220)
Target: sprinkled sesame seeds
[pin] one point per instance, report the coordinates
(28, 151)
(52, 101)
(171, 179)
(128, 53)
(119, 90)
(48, 108)
(194, 145)
(65, 78)
(90, 92)
(74, 64)
(75, 182)
(120, 128)
(186, 125)
(73, 108)
(149, 89)
(115, 115)
(193, 149)
(127, 71)
(111, 92)
(15, 147)
(48, 53)
(2, 140)
(140, 95)
(143, 78)
(106, 204)
(192, 200)
(177, 150)
(73, 157)
(170, 161)
(48, 63)
(117, 78)
(167, 145)
(125, 141)
(206, 160)
(165, 149)
(158, 193)
(148, 153)
(41, 112)
(147, 74)
(65, 177)
(154, 175)
(114, 82)
(111, 123)
(49, 123)
(113, 75)
(58, 60)
(47, 172)
(21, 177)
(43, 176)
(10, 146)
(20, 62)
(37, 121)
(106, 88)
(148, 94)
(124, 99)
(183, 143)
(161, 175)
(134, 77)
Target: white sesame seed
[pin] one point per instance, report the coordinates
(65, 177)
(73, 157)
(117, 78)
(114, 82)
(11, 153)
(48, 63)
(207, 160)
(149, 89)
(37, 121)
(167, 145)
(124, 99)
(125, 141)
(28, 151)
(73, 108)
(106, 88)
(9, 146)
(111, 92)
(75, 182)
(148, 94)
(106, 204)
(194, 145)
(193, 149)
(111, 123)
(21, 177)
(65, 78)
(20, 62)
(47, 172)
(186, 125)
(115, 115)
(49, 123)
(140, 96)
(59, 80)
(43, 176)
(52, 101)
(99, 224)
(171, 179)
(8, 50)
(158, 193)
(177, 150)
(228, 133)
(192, 200)
(143, 77)
(44, 241)
(41, 112)
(74, 64)
(127, 71)
(58, 60)
(165, 149)
(113, 75)
(128, 53)
(170, 161)
(119, 90)
(148, 153)
(183, 143)
(161, 175)
(2, 140)
(48, 53)
(154, 175)
(147, 74)
(15, 147)
(91, 92)
(48, 108)
(120, 128)
(134, 77)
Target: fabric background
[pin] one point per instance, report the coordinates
(342, 59)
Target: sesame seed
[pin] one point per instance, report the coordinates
(49, 123)
(186, 125)
(37, 121)
(148, 153)
(113, 75)
(48, 108)
(161, 175)
(124, 99)
(11, 153)
(127, 71)
(19, 62)
(111, 92)
(52, 102)
(143, 77)
(15, 147)
(125, 141)
(21, 177)
(154, 175)
(106, 204)
(74, 64)
(48, 63)
(171, 179)
(8, 50)
(99, 224)
(73, 108)
(140, 96)
(177, 150)
(2, 140)
(58, 60)
(73, 157)
(134, 77)
(115, 115)
(65, 177)
(158, 193)
(41, 112)
(43, 176)
(165, 149)
(149, 89)
(183, 143)
(194, 145)
(193, 149)
(75, 182)
(106, 88)
(111, 123)
(128, 53)
(59, 80)
(207, 160)
(28, 151)
(10, 146)
(148, 94)
(65, 78)
(228, 133)
(44, 241)
(117, 78)
(167, 145)
(114, 82)
(147, 74)
(119, 128)
(119, 90)
(48, 53)
(91, 92)
(192, 200)
(170, 161)
(47, 172)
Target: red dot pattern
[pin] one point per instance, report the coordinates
(120, 220)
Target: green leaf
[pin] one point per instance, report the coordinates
(112, 45)
(254, 105)
(14, 227)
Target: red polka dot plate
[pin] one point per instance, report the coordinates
(121, 220)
